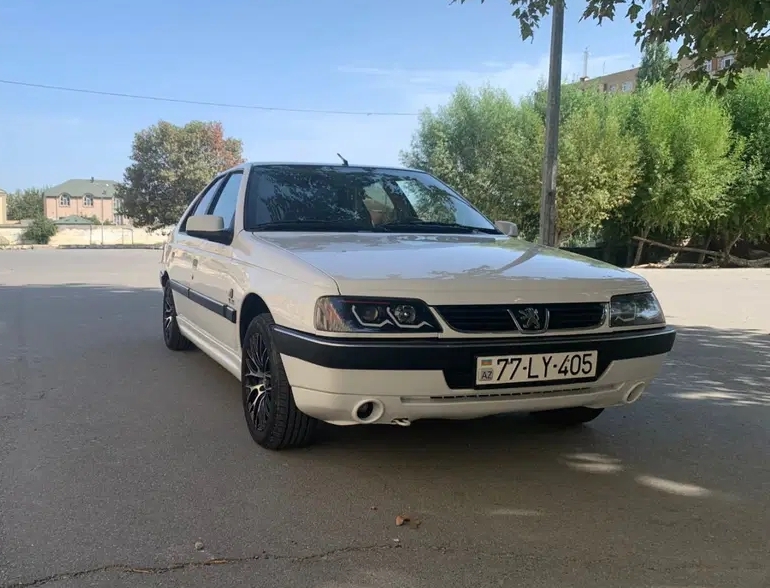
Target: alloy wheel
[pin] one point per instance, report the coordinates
(169, 314)
(257, 379)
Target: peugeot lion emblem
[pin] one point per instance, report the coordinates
(529, 319)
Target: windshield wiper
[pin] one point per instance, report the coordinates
(420, 225)
(309, 225)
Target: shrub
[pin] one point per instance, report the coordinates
(40, 231)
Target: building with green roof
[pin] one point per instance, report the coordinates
(84, 198)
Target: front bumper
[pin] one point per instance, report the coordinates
(414, 379)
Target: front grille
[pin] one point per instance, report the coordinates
(496, 318)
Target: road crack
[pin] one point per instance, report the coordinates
(217, 561)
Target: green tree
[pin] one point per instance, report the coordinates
(687, 161)
(486, 147)
(703, 29)
(171, 164)
(574, 97)
(598, 165)
(748, 200)
(657, 66)
(40, 230)
(26, 204)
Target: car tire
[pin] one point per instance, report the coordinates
(273, 418)
(172, 336)
(567, 417)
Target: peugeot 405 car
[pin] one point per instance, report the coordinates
(363, 295)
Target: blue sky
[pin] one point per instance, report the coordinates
(362, 55)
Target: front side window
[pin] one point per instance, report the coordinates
(64, 200)
(228, 199)
(88, 200)
(205, 201)
(306, 197)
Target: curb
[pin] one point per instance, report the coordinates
(26, 247)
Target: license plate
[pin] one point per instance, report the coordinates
(540, 367)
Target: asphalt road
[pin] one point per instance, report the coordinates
(117, 456)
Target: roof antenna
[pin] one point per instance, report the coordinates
(344, 161)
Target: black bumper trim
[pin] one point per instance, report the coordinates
(455, 356)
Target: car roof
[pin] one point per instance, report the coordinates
(250, 164)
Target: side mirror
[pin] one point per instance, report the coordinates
(208, 226)
(507, 228)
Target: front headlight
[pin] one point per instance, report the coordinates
(345, 314)
(635, 310)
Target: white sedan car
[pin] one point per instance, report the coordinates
(362, 295)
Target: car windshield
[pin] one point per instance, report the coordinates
(340, 198)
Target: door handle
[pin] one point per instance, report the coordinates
(195, 262)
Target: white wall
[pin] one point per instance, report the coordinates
(91, 235)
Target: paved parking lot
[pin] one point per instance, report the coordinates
(117, 456)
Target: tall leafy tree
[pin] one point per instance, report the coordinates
(657, 66)
(574, 97)
(171, 164)
(703, 29)
(488, 148)
(748, 200)
(26, 204)
(598, 164)
(687, 160)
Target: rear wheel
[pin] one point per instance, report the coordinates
(567, 417)
(273, 418)
(172, 336)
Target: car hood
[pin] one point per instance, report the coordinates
(457, 269)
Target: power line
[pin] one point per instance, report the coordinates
(203, 103)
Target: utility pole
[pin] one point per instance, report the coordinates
(548, 197)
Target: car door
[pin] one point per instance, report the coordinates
(214, 276)
(184, 253)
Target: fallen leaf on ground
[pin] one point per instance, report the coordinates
(401, 519)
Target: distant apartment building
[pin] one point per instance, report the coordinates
(625, 81)
(84, 199)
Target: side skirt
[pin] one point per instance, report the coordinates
(223, 356)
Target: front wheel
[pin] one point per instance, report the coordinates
(273, 418)
(172, 336)
(567, 417)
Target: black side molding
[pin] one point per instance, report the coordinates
(214, 306)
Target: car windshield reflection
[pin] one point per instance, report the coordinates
(353, 199)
